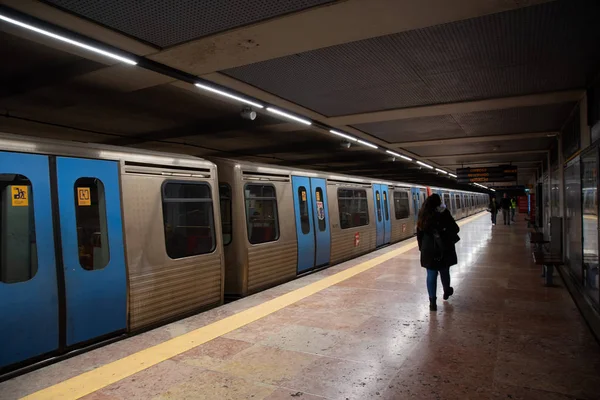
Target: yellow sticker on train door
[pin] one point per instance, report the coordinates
(318, 195)
(304, 195)
(20, 196)
(83, 196)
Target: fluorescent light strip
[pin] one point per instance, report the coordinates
(441, 170)
(493, 190)
(425, 165)
(367, 144)
(229, 95)
(398, 155)
(343, 135)
(452, 175)
(66, 40)
(289, 116)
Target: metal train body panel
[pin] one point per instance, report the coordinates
(138, 284)
(253, 267)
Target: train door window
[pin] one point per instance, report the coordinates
(225, 204)
(18, 251)
(92, 228)
(401, 205)
(447, 201)
(353, 208)
(458, 203)
(261, 213)
(320, 210)
(188, 219)
(385, 206)
(303, 207)
(378, 205)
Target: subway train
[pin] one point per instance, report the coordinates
(97, 241)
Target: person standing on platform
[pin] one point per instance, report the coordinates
(513, 209)
(505, 205)
(437, 233)
(493, 210)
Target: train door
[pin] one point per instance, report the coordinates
(312, 222)
(321, 221)
(379, 218)
(387, 222)
(91, 237)
(28, 283)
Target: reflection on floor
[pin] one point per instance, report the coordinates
(503, 335)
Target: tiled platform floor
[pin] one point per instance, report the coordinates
(503, 335)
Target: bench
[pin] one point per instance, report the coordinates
(547, 260)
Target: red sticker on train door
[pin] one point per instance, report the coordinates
(356, 239)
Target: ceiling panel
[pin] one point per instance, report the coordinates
(167, 23)
(542, 48)
(467, 160)
(544, 118)
(412, 129)
(486, 147)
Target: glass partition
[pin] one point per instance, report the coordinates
(573, 218)
(589, 222)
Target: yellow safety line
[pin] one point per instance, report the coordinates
(91, 381)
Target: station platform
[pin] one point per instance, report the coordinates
(359, 330)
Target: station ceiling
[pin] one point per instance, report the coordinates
(461, 83)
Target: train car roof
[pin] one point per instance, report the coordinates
(30, 144)
(276, 169)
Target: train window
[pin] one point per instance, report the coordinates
(447, 202)
(188, 219)
(225, 203)
(353, 208)
(401, 205)
(92, 228)
(320, 210)
(18, 255)
(385, 206)
(303, 209)
(261, 213)
(458, 201)
(378, 205)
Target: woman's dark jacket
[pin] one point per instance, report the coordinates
(493, 207)
(448, 230)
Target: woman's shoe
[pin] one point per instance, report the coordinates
(432, 304)
(449, 293)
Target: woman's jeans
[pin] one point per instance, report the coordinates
(494, 215)
(432, 281)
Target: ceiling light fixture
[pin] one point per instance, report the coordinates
(289, 116)
(398, 155)
(367, 144)
(67, 40)
(229, 95)
(452, 175)
(441, 170)
(424, 165)
(340, 134)
(493, 190)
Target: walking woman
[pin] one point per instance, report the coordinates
(437, 232)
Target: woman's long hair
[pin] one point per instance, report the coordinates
(427, 212)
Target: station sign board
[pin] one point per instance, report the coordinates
(501, 173)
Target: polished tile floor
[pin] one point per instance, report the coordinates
(503, 335)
